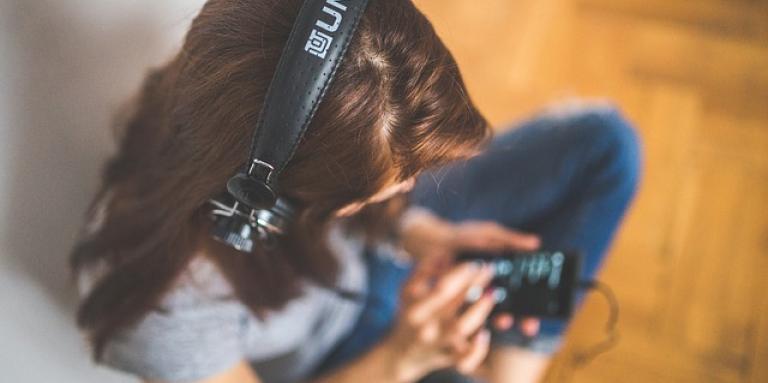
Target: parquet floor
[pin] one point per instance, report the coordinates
(690, 265)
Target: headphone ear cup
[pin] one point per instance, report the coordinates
(234, 231)
(253, 193)
(276, 220)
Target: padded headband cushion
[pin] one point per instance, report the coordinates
(318, 41)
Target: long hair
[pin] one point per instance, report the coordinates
(397, 106)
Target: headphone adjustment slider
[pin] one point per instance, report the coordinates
(261, 170)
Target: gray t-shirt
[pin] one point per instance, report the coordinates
(205, 331)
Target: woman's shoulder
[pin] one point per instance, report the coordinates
(196, 331)
(199, 282)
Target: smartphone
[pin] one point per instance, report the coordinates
(536, 284)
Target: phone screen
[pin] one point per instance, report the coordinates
(538, 284)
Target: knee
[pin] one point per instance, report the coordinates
(614, 144)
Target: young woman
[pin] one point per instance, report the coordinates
(164, 301)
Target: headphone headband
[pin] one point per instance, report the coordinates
(316, 46)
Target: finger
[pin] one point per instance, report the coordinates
(503, 322)
(476, 354)
(516, 240)
(420, 281)
(429, 333)
(530, 326)
(472, 293)
(453, 332)
(473, 318)
(447, 288)
(439, 361)
(477, 236)
(491, 236)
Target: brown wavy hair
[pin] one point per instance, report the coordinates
(397, 106)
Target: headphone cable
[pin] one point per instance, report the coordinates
(582, 358)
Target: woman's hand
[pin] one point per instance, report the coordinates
(426, 236)
(434, 330)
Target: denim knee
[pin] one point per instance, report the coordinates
(614, 144)
(611, 167)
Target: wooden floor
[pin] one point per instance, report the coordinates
(690, 265)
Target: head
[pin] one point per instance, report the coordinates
(397, 106)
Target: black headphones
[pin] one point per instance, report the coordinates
(316, 46)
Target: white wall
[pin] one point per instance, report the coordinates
(65, 67)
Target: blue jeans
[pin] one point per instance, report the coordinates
(568, 179)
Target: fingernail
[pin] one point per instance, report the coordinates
(484, 336)
(474, 293)
(499, 294)
(489, 271)
(469, 267)
(504, 322)
(489, 294)
(530, 327)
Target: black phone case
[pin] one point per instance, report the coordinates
(537, 284)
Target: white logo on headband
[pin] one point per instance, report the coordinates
(319, 42)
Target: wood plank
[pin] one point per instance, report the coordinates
(759, 372)
(743, 137)
(736, 19)
(724, 70)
